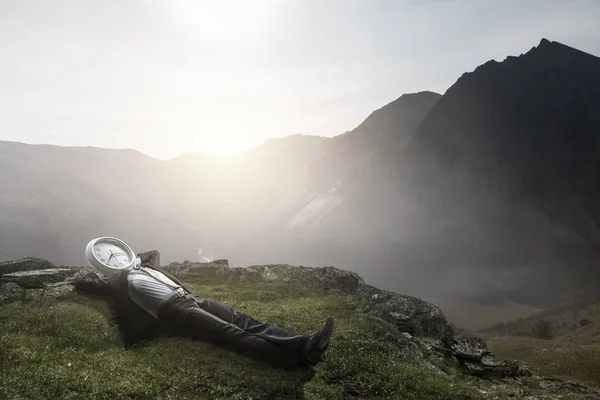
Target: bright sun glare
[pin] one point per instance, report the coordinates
(221, 136)
(223, 20)
(224, 23)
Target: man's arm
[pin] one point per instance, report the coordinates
(94, 283)
(150, 257)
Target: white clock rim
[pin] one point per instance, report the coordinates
(100, 266)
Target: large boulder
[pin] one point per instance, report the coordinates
(406, 313)
(10, 292)
(37, 279)
(24, 264)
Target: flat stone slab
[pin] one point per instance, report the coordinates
(469, 347)
(473, 354)
(24, 264)
(37, 279)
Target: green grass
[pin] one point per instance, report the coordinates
(552, 358)
(72, 350)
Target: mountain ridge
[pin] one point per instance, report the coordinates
(477, 158)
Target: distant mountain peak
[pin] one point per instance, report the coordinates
(552, 47)
(544, 42)
(547, 55)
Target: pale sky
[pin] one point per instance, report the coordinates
(173, 76)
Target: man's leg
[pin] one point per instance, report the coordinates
(185, 316)
(267, 331)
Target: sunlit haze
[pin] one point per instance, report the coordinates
(169, 77)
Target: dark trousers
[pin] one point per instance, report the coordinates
(215, 322)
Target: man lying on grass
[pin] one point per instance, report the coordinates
(149, 302)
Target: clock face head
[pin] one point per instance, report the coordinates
(112, 253)
(109, 255)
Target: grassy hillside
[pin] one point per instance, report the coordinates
(71, 350)
(563, 343)
(562, 359)
(560, 321)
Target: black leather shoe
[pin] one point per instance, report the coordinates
(318, 343)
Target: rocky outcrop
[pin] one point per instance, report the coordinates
(24, 264)
(325, 277)
(37, 279)
(199, 270)
(473, 354)
(467, 347)
(408, 314)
